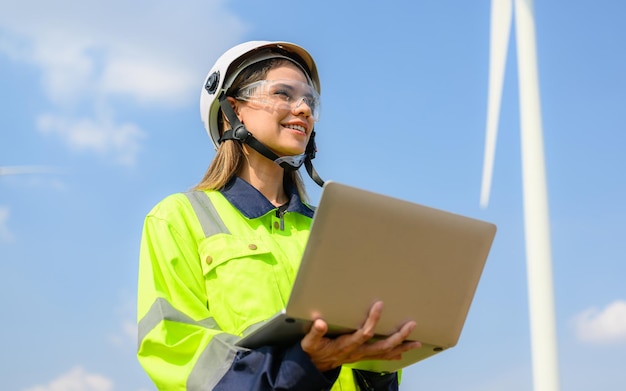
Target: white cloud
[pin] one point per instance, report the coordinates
(605, 326)
(90, 46)
(165, 84)
(94, 54)
(121, 141)
(76, 379)
(5, 234)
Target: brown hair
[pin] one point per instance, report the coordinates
(229, 157)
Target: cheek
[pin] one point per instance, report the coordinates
(250, 116)
(311, 125)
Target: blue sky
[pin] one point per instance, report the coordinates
(104, 95)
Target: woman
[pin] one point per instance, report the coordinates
(219, 260)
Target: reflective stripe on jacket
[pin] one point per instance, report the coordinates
(204, 278)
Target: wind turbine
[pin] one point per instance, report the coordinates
(536, 221)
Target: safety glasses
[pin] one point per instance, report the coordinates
(282, 94)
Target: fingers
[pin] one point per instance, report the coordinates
(404, 331)
(372, 319)
(315, 335)
(367, 331)
(392, 354)
(327, 353)
(319, 328)
(348, 343)
(390, 348)
(398, 338)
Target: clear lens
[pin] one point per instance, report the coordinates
(282, 94)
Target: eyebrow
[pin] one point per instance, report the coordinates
(285, 85)
(291, 88)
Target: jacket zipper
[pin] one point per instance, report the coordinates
(280, 213)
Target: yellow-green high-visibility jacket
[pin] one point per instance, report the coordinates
(212, 264)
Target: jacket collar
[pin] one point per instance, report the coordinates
(252, 204)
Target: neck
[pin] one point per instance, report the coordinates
(266, 176)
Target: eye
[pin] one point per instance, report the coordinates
(283, 94)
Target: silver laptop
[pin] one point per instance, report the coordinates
(423, 263)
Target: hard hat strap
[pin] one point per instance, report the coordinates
(311, 171)
(311, 150)
(239, 132)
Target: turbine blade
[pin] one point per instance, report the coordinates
(542, 314)
(501, 15)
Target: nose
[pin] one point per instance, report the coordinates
(301, 106)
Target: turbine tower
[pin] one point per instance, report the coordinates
(536, 221)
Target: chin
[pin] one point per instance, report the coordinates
(293, 151)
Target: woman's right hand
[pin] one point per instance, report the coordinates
(329, 353)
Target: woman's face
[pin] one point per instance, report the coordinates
(284, 128)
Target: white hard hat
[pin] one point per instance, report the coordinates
(235, 60)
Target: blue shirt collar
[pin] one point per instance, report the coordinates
(252, 204)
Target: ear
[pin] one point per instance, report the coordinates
(236, 106)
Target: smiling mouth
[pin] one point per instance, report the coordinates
(296, 127)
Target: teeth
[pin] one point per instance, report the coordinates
(296, 127)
